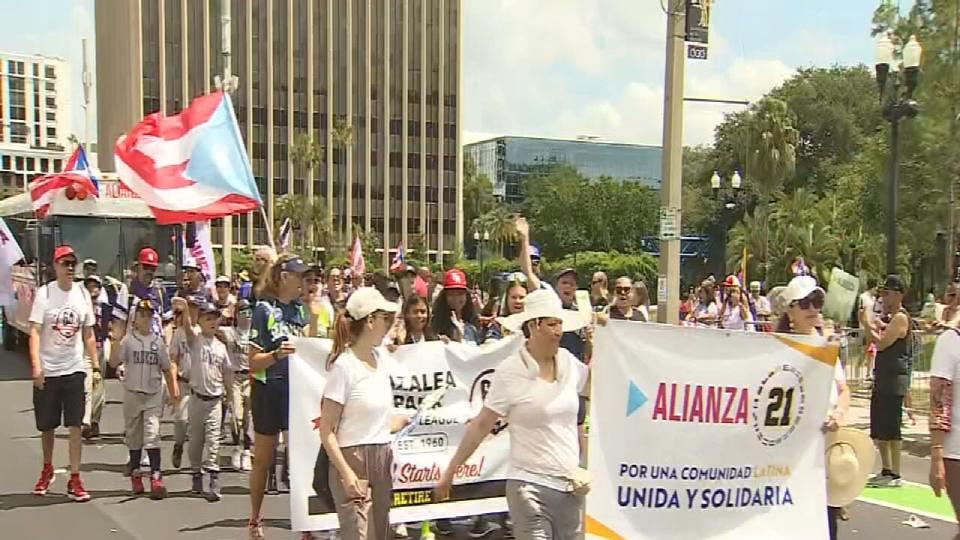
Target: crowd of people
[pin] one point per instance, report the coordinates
(216, 360)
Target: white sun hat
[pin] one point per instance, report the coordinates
(849, 458)
(545, 304)
(799, 288)
(367, 300)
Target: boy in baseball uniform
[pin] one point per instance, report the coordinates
(208, 362)
(144, 356)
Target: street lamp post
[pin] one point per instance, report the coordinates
(896, 105)
(729, 205)
(479, 241)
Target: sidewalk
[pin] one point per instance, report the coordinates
(916, 436)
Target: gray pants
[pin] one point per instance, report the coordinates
(205, 419)
(367, 518)
(141, 419)
(541, 513)
(181, 415)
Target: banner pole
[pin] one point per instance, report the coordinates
(269, 226)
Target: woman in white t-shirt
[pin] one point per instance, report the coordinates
(804, 300)
(944, 404)
(536, 391)
(356, 420)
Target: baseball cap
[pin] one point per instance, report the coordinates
(367, 300)
(148, 257)
(754, 285)
(191, 263)
(295, 265)
(534, 252)
(207, 308)
(145, 304)
(564, 272)
(455, 279)
(90, 262)
(732, 281)
(894, 283)
(63, 251)
(94, 278)
(222, 279)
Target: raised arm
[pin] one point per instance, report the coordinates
(526, 265)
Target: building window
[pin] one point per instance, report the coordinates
(44, 164)
(50, 73)
(51, 116)
(57, 165)
(50, 87)
(51, 102)
(6, 163)
(51, 133)
(31, 164)
(19, 163)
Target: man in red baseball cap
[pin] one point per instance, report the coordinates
(61, 327)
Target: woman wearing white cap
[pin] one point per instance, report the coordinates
(356, 420)
(537, 391)
(804, 299)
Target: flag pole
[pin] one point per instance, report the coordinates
(269, 227)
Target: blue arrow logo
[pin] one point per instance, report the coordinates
(635, 398)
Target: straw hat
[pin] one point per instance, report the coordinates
(544, 304)
(848, 460)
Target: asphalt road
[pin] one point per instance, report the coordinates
(113, 514)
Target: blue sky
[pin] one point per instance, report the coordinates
(563, 68)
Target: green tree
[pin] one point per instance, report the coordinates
(478, 196)
(308, 218)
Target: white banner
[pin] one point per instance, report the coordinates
(10, 254)
(698, 433)
(421, 455)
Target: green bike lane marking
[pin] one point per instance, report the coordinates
(912, 498)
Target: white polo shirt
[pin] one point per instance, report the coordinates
(541, 416)
(946, 365)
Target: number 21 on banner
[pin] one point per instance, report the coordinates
(778, 405)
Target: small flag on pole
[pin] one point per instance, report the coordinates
(399, 259)
(357, 265)
(285, 230)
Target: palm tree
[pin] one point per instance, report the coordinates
(500, 223)
(770, 143)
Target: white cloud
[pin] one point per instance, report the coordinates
(563, 68)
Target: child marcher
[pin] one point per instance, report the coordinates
(208, 362)
(236, 339)
(144, 356)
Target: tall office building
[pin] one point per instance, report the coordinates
(507, 161)
(34, 117)
(390, 69)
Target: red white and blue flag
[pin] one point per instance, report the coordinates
(399, 262)
(191, 166)
(77, 176)
(357, 264)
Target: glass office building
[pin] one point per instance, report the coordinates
(391, 70)
(508, 160)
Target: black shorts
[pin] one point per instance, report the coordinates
(270, 405)
(582, 407)
(62, 397)
(886, 412)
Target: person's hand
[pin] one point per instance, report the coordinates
(392, 347)
(285, 350)
(445, 340)
(832, 423)
(938, 479)
(38, 378)
(353, 487)
(121, 372)
(588, 332)
(442, 490)
(455, 319)
(179, 304)
(174, 396)
(97, 377)
(523, 228)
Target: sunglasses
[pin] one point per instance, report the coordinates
(814, 300)
(598, 281)
(622, 290)
(69, 263)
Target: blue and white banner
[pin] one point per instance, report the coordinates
(698, 433)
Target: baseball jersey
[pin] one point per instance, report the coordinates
(62, 316)
(208, 360)
(139, 291)
(181, 350)
(145, 358)
(237, 342)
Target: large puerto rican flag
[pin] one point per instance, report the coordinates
(191, 166)
(76, 175)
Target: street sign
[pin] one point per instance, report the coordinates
(696, 52)
(698, 20)
(669, 223)
(662, 290)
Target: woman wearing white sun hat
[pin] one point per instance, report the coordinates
(537, 391)
(804, 300)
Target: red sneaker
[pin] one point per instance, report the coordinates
(76, 491)
(157, 489)
(136, 480)
(46, 478)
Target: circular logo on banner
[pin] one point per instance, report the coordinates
(478, 395)
(778, 405)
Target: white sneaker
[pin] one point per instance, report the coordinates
(145, 460)
(236, 460)
(400, 531)
(246, 461)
